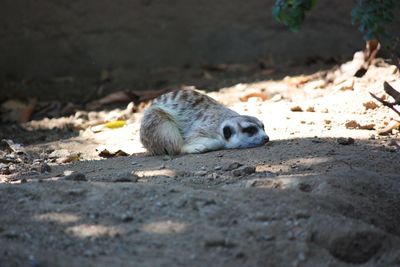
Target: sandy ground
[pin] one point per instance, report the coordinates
(310, 197)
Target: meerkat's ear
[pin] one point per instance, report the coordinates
(227, 132)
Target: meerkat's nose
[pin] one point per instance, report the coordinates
(266, 139)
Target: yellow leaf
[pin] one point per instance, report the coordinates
(115, 124)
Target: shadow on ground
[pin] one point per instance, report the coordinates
(308, 202)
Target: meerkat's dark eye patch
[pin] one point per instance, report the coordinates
(251, 130)
(262, 126)
(227, 132)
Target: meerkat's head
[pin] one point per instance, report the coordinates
(242, 132)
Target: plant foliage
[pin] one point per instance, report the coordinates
(372, 16)
(292, 12)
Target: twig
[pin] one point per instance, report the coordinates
(392, 92)
(387, 104)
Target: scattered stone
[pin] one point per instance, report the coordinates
(166, 158)
(310, 109)
(218, 242)
(74, 176)
(162, 167)
(370, 105)
(125, 176)
(244, 170)
(126, 218)
(217, 168)
(372, 137)
(296, 109)
(59, 153)
(355, 125)
(214, 175)
(200, 173)
(23, 181)
(345, 141)
(41, 167)
(11, 234)
(327, 121)
(134, 163)
(352, 124)
(232, 166)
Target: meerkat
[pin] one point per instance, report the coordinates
(186, 121)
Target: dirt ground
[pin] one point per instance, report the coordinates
(325, 191)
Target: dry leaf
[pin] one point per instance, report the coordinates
(115, 124)
(259, 95)
(105, 153)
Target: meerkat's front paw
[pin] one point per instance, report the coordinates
(194, 148)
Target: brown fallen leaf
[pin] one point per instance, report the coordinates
(298, 80)
(68, 159)
(259, 95)
(107, 154)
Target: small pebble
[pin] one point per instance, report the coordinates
(74, 176)
(217, 168)
(126, 218)
(244, 170)
(345, 141)
(200, 173)
(162, 167)
(296, 109)
(232, 166)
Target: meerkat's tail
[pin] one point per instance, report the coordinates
(159, 133)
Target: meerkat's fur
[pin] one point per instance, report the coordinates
(186, 121)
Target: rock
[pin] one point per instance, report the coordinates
(352, 124)
(218, 242)
(310, 109)
(125, 176)
(126, 218)
(244, 170)
(345, 141)
(74, 176)
(232, 166)
(42, 167)
(217, 168)
(296, 109)
(355, 125)
(200, 173)
(162, 166)
(370, 105)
